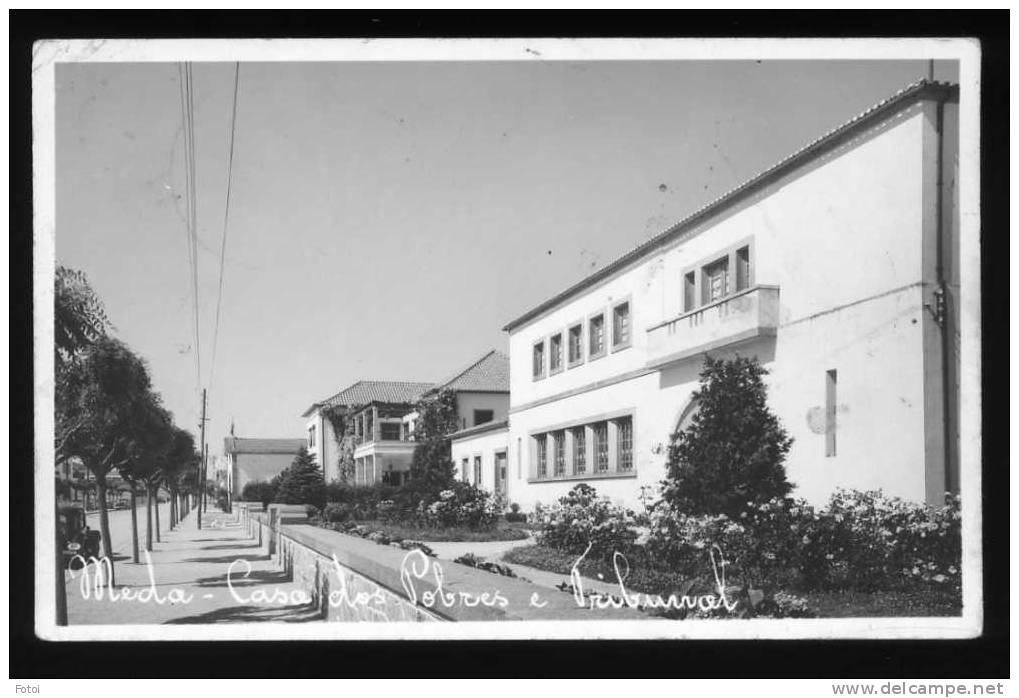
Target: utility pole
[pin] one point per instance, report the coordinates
(201, 465)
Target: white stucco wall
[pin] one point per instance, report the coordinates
(486, 445)
(843, 240)
(467, 402)
(326, 450)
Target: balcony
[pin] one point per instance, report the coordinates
(738, 318)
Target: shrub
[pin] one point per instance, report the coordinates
(515, 508)
(864, 540)
(462, 504)
(860, 540)
(472, 560)
(733, 450)
(581, 518)
(258, 491)
(336, 512)
(303, 482)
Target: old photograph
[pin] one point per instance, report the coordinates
(441, 339)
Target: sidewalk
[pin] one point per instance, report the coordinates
(188, 583)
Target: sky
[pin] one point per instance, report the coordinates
(388, 219)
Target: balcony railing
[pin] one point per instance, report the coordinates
(737, 318)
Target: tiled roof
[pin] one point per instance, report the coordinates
(366, 392)
(929, 88)
(489, 373)
(233, 444)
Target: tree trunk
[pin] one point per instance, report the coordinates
(104, 525)
(148, 517)
(134, 525)
(155, 504)
(61, 587)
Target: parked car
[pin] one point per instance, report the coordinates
(75, 535)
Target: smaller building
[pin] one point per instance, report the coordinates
(254, 460)
(480, 457)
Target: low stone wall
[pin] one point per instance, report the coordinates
(353, 579)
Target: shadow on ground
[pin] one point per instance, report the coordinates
(227, 559)
(246, 614)
(239, 580)
(247, 546)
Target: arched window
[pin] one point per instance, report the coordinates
(687, 415)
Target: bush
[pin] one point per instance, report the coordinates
(462, 504)
(303, 482)
(515, 517)
(860, 540)
(336, 512)
(581, 518)
(733, 450)
(258, 491)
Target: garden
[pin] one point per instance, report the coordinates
(724, 518)
(723, 522)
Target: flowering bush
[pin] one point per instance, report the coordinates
(861, 540)
(461, 505)
(872, 541)
(581, 518)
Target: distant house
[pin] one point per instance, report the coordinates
(374, 430)
(253, 460)
(379, 418)
(482, 390)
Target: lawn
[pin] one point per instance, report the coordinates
(501, 531)
(828, 604)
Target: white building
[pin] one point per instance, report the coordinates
(836, 268)
(379, 418)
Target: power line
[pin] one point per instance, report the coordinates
(187, 120)
(226, 220)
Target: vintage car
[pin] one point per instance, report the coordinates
(75, 537)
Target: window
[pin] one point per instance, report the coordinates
(477, 471)
(579, 450)
(311, 436)
(743, 268)
(463, 469)
(541, 442)
(559, 467)
(596, 336)
(689, 291)
(624, 444)
(831, 380)
(555, 353)
(715, 281)
(576, 344)
(621, 325)
(389, 431)
(601, 447)
(538, 366)
(483, 416)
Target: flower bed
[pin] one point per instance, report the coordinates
(396, 531)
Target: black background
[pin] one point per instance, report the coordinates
(984, 657)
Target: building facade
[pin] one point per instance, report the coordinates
(257, 460)
(837, 269)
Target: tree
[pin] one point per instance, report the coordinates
(147, 440)
(733, 451)
(175, 463)
(431, 467)
(303, 482)
(79, 319)
(105, 388)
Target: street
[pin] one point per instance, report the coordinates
(120, 527)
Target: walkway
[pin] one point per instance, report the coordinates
(187, 581)
(492, 551)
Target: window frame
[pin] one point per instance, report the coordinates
(579, 361)
(591, 355)
(312, 430)
(729, 252)
(539, 375)
(559, 334)
(627, 301)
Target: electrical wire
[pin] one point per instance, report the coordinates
(226, 221)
